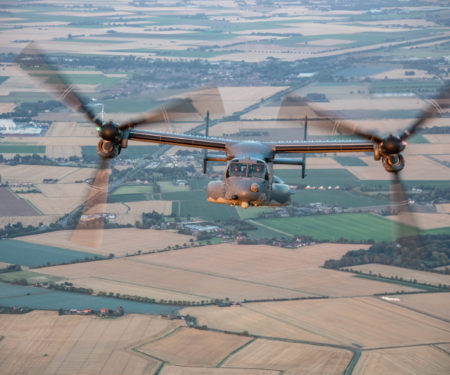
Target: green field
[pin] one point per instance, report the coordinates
(33, 255)
(353, 227)
(120, 198)
(21, 149)
(19, 97)
(342, 177)
(318, 177)
(207, 211)
(350, 161)
(340, 198)
(29, 276)
(134, 189)
(131, 152)
(170, 187)
(88, 79)
(263, 232)
(252, 212)
(3, 79)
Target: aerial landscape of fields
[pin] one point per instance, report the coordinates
(141, 274)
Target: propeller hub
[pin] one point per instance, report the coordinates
(110, 132)
(392, 145)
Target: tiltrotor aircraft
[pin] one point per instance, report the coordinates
(249, 178)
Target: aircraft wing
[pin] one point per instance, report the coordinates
(186, 140)
(311, 147)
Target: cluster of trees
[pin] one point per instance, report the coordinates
(418, 252)
(11, 268)
(150, 219)
(26, 110)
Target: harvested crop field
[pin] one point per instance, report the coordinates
(87, 345)
(443, 208)
(192, 347)
(191, 370)
(290, 272)
(57, 199)
(36, 173)
(364, 322)
(27, 220)
(423, 220)
(115, 241)
(435, 304)
(417, 167)
(424, 360)
(12, 205)
(404, 273)
(165, 282)
(291, 357)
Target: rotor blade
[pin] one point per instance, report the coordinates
(404, 221)
(296, 107)
(192, 105)
(437, 105)
(89, 231)
(37, 66)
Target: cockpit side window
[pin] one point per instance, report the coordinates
(237, 170)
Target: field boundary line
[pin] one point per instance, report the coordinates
(149, 286)
(405, 346)
(229, 355)
(436, 346)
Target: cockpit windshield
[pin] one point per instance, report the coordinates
(237, 169)
(256, 170)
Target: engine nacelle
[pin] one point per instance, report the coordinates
(393, 163)
(107, 149)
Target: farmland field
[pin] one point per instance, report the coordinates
(340, 198)
(238, 272)
(32, 255)
(403, 361)
(14, 206)
(134, 189)
(188, 347)
(404, 273)
(36, 173)
(335, 321)
(21, 149)
(424, 220)
(192, 370)
(115, 241)
(290, 357)
(76, 344)
(356, 227)
(435, 304)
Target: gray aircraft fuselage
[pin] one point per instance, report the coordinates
(249, 182)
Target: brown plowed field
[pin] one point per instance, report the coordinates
(404, 361)
(209, 272)
(436, 304)
(291, 357)
(179, 370)
(115, 241)
(42, 342)
(365, 322)
(192, 347)
(11, 205)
